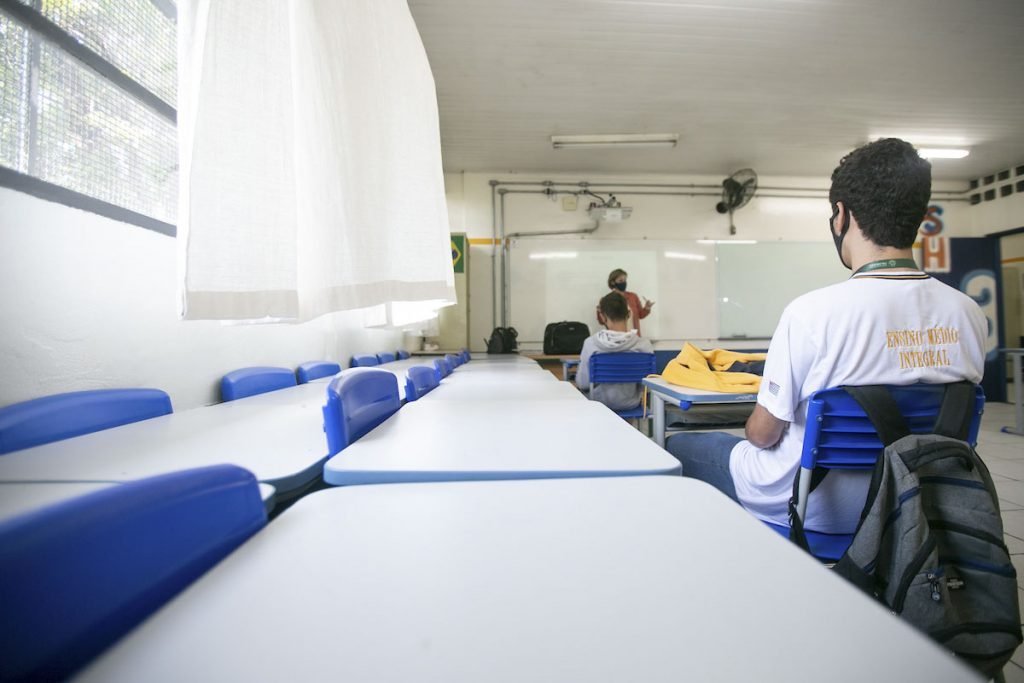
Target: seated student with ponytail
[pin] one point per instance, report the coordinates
(618, 338)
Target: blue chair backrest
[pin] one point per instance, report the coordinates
(620, 368)
(385, 357)
(840, 436)
(256, 380)
(315, 369)
(465, 355)
(441, 368)
(76, 576)
(419, 380)
(453, 360)
(62, 416)
(358, 400)
(364, 361)
(402, 354)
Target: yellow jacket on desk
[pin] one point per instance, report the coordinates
(700, 369)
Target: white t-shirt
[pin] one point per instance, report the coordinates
(887, 327)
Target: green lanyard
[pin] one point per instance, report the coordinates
(887, 263)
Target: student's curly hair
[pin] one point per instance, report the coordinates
(613, 306)
(886, 186)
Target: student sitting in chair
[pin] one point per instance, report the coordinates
(618, 338)
(889, 323)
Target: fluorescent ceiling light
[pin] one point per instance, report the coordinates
(726, 241)
(684, 256)
(942, 153)
(614, 141)
(553, 255)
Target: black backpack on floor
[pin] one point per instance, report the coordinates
(503, 340)
(929, 545)
(565, 338)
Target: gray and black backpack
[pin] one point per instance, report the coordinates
(929, 544)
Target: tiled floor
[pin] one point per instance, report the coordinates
(1004, 455)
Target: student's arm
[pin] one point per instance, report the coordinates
(582, 370)
(790, 356)
(764, 429)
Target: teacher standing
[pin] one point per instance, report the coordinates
(617, 281)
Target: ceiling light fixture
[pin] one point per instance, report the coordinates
(942, 153)
(632, 141)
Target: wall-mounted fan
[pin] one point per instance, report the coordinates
(737, 190)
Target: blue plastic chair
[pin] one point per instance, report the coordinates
(364, 361)
(358, 400)
(78, 575)
(385, 358)
(465, 355)
(840, 436)
(419, 380)
(441, 368)
(453, 360)
(621, 368)
(256, 380)
(62, 416)
(402, 354)
(315, 369)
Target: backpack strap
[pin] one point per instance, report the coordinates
(880, 407)
(796, 525)
(956, 411)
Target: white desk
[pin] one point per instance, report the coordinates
(520, 391)
(683, 397)
(277, 436)
(498, 439)
(637, 579)
(1018, 392)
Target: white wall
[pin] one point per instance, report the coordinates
(654, 217)
(87, 302)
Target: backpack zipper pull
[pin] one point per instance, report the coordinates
(934, 581)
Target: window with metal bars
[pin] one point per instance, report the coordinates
(86, 105)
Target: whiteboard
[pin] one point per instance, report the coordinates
(702, 291)
(757, 281)
(563, 279)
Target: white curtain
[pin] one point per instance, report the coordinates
(310, 160)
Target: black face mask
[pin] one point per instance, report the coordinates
(838, 239)
(621, 286)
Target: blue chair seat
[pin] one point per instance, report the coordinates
(358, 400)
(385, 358)
(255, 380)
(78, 575)
(63, 416)
(621, 368)
(419, 380)
(315, 369)
(364, 361)
(402, 354)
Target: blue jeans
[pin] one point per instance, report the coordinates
(705, 456)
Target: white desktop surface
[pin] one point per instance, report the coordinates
(501, 368)
(521, 391)
(18, 498)
(498, 439)
(681, 393)
(499, 378)
(277, 436)
(636, 579)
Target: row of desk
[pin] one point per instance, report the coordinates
(565, 569)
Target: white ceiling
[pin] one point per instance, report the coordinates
(784, 86)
